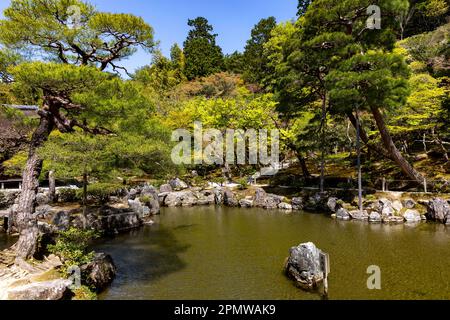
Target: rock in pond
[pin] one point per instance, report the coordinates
(246, 203)
(100, 272)
(303, 266)
(438, 210)
(375, 217)
(297, 203)
(229, 198)
(343, 214)
(285, 206)
(412, 216)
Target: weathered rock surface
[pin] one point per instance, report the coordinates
(438, 210)
(375, 217)
(165, 188)
(297, 203)
(180, 198)
(48, 290)
(303, 266)
(333, 204)
(343, 214)
(177, 184)
(100, 273)
(8, 198)
(285, 206)
(412, 216)
(409, 203)
(229, 198)
(358, 215)
(246, 203)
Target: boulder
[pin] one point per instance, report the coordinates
(375, 217)
(412, 216)
(218, 196)
(165, 188)
(343, 214)
(397, 205)
(297, 203)
(317, 202)
(48, 290)
(61, 220)
(358, 215)
(178, 184)
(260, 198)
(387, 208)
(132, 194)
(333, 204)
(99, 273)
(409, 203)
(285, 206)
(42, 199)
(229, 198)
(246, 203)
(180, 198)
(438, 210)
(303, 266)
(273, 201)
(8, 198)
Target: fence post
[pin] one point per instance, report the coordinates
(425, 185)
(3, 186)
(383, 184)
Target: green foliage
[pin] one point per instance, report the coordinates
(234, 63)
(203, 56)
(84, 293)
(72, 246)
(100, 192)
(15, 165)
(256, 63)
(46, 27)
(68, 195)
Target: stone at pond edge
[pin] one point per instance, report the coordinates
(303, 266)
(100, 273)
(438, 210)
(343, 214)
(297, 203)
(48, 290)
(229, 198)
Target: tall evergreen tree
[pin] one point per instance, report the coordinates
(74, 89)
(203, 55)
(256, 63)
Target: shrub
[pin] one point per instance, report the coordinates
(68, 195)
(243, 183)
(100, 192)
(84, 293)
(71, 245)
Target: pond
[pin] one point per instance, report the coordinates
(232, 253)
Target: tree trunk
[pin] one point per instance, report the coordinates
(364, 138)
(25, 220)
(85, 184)
(322, 158)
(305, 171)
(392, 149)
(51, 186)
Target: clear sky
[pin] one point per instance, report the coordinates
(232, 19)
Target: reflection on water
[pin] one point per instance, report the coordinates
(231, 253)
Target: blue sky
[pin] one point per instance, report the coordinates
(232, 19)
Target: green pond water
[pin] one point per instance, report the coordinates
(231, 253)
